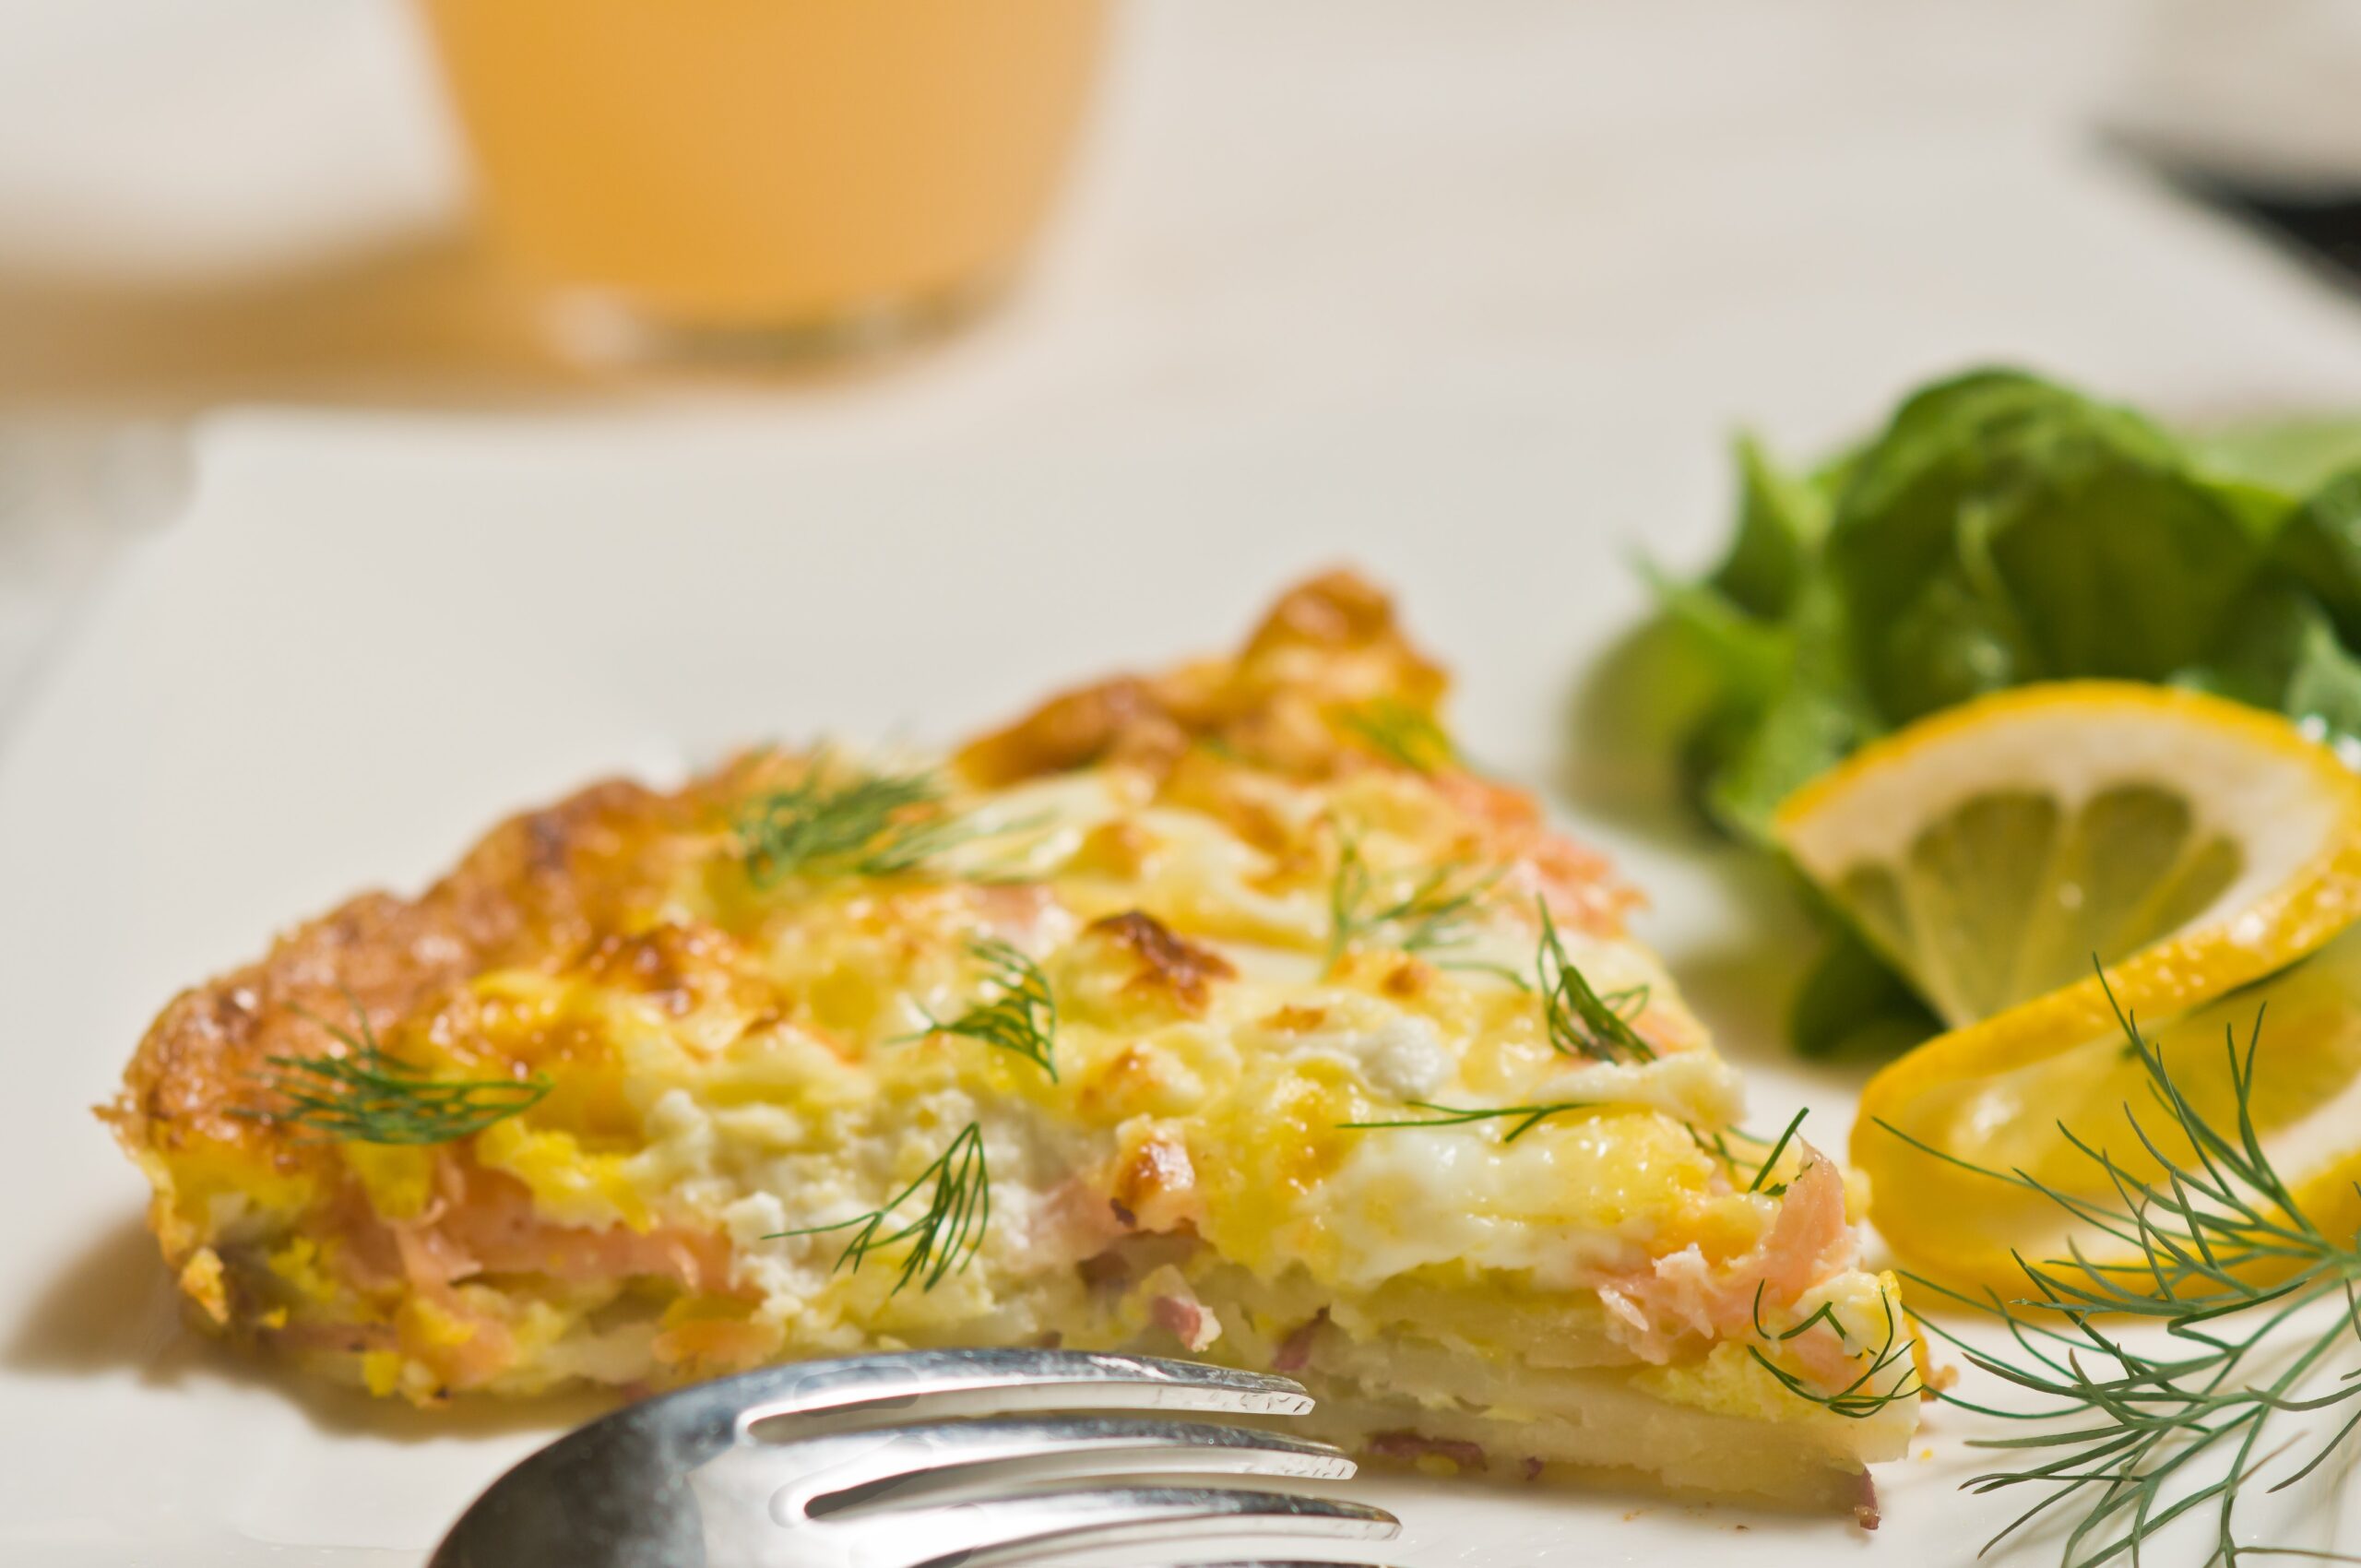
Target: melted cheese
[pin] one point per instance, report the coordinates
(826, 1094)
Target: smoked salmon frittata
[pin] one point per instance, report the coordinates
(1226, 1012)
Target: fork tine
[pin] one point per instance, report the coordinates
(993, 1381)
(1020, 1529)
(855, 1469)
(692, 1472)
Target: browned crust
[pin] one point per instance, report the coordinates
(1125, 719)
(1175, 970)
(1154, 1185)
(540, 886)
(1332, 641)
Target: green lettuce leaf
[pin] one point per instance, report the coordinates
(1851, 1006)
(2004, 530)
(1811, 720)
(2321, 548)
(2284, 654)
(1780, 521)
(2290, 457)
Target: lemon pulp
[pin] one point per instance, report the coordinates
(1994, 853)
(2013, 894)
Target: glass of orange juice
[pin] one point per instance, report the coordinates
(796, 170)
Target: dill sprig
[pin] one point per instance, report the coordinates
(1429, 910)
(857, 824)
(1864, 1396)
(947, 1235)
(1400, 734)
(1581, 1021)
(2252, 1295)
(1487, 966)
(1022, 1018)
(1526, 1117)
(1529, 1117)
(1717, 1144)
(368, 1097)
(1761, 1171)
(1825, 1312)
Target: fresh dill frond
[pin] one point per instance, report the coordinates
(1487, 966)
(1581, 1021)
(1022, 1020)
(1628, 1002)
(1862, 1398)
(1825, 1312)
(1787, 1135)
(946, 1236)
(367, 1096)
(1419, 913)
(2254, 1298)
(1400, 734)
(1526, 1117)
(1716, 1144)
(855, 824)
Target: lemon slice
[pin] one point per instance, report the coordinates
(1993, 851)
(2004, 1095)
(2210, 855)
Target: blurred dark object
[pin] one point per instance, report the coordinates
(2320, 222)
(2246, 107)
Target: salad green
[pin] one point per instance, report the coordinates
(2003, 529)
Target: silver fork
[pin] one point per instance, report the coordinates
(790, 1467)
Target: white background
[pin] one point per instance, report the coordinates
(1766, 210)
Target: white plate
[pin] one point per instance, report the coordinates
(368, 644)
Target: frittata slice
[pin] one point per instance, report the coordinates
(1224, 1012)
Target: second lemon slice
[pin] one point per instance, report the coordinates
(2000, 1142)
(1993, 853)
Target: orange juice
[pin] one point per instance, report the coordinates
(760, 163)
